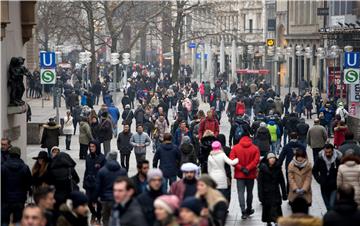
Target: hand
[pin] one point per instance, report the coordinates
(245, 171)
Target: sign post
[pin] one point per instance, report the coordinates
(47, 73)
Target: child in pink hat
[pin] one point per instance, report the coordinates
(165, 208)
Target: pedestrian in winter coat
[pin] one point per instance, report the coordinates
(349, 173)
(152, 192)
(127, 210)
(169, 156)
(186, 187)
(114, 114)
(275, 135)
(209, 123)
(345, 211)
(262, 139)
(279, 105)
(216, 166)
(74, 212)
(270, 180)
(342, 112)
(68, 129)
(325, 172)
(62, 175)
(187, 152)
(300, 176)
(124, 146)
(291, 123)
(85, 137)
(125, 100)
(140, 140)
(245, 171)
(350, 146)
(94, 161)
(15, 184)
(316, 138)
(165, 210)
(339, 133)
(104, 184)
(213, 200)
(180, 133)
(302, 130)
(40, 170)
(105, 132)
(50, 135)
(127, 116)
(308, 104)
(205, 149)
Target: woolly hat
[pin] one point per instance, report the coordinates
(270, 155)
(168, 202)
(216, 145)
(15, 150)
(189, 167)
(152, 173)
(53, 148)
(112, 155)
(78, 199)
(208, 181)
(186, 140)
(127, 106)
(262, 124)
(193, 204)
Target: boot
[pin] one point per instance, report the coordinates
(67, 142)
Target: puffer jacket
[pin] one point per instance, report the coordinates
(187, 153)
(216, 168)
(349, 173)
(50, 135)
(85, 135)
(249, 158)
(92, 166)
(168, 154)
(279, 106)
(263, 140)
(68, 126)
(300, 179)
(15, 181)
(209, 124)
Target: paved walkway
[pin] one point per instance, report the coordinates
(234, 218)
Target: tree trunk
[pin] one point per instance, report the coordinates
(176, 65)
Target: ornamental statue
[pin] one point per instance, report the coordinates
(17, 71)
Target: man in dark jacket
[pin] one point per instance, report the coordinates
(127, 116)
(168, 154)
(139, 179)
(5, 146)
(153, 190)
(124, 146)
(350, 145)
(50, 135)
(302, 129)
(15, 183)
(96, 90)
(105, 132)
(127, 210)
(62, 175)
(76, 213)
(104, 183)
(94, 161)
(325, 172)
(125, 100)
(345, 211)
(291, 123)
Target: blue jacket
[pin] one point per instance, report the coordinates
(177, 136)
(15, 181)
(105, 180)
(114, 113)
(287, 152)
(169, 156)
(328, 114)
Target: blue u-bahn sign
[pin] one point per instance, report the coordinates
(352, 60)
(47, 60)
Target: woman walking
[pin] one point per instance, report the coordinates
(68, 129)
(270, 180)
(40, 173)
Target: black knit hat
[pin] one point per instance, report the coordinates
(192, 204)
(78, 198)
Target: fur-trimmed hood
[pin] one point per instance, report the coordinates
(299, 220)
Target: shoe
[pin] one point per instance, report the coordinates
(250, 212)
(244, 216)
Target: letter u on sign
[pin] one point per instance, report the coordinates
(47, 60)
(352, 60)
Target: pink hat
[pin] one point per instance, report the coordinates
(216, 145)
(169, 202)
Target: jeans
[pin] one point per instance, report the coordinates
(275, 147)
(106, 211)
(169, 181)
(316, 153)
(83, 151)
(329, 197)
(106, 145)
(15, 209)
(140, 157)
(243, 184)
(125, 159)
(68, 141)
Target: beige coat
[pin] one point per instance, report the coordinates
(300, 179)
(349, 173)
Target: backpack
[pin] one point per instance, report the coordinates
(239, 131)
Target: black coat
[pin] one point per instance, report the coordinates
(146, 201)
(92, 166)
(50, 135)
(61, 167)
(344, 213)
(67, 218)
(302, 129)
(326, 178)
(187, 153)
(129, 215)
(291, 123)
(15, 181)
(125, 101)
(123, 143)
(287, 152)
(105, 180)
(263, 140)
(169, 156)
(127, 117)
(105, 130)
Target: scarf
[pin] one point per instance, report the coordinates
(330, 161)
(298, 164)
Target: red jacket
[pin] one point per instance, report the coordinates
(249, 157)
(209, 124)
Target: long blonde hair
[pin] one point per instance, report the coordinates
(212, 197)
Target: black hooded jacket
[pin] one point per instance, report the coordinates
(92, 166)
(344, 213)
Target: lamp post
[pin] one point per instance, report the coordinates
(240, 50)
(126, 62)
(320, 54)
(271, 53)
(84, 59)
(115, 61)
(289, 52)
(347, 49)
(279, 57)
(299, 53)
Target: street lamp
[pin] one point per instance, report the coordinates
(126, 62)
(115, 61)
(320, 54)
(84, 59)
(289, 52)
(299, 53)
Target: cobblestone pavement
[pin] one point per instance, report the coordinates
(42, 114)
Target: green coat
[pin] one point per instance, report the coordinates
(85, 135)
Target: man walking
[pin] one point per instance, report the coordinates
(124, 146)
(245, 171)
(316, 138)
(140, 141)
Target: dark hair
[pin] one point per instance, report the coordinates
(128, 181)
(42, 192)
(349, 135)
(350, 157)
(293, 135)
(167, 137)
(300, 153)
(7, 140)
(329, 146)
(299, 205)
(346, 192)
(137, 126)
(141, 163)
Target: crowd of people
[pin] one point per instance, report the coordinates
(188, 181)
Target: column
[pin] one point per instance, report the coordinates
(222, 56)
(233, 61)
(293, 71)
(305, 68)
(288, 71)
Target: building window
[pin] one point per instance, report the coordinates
(250, 26)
